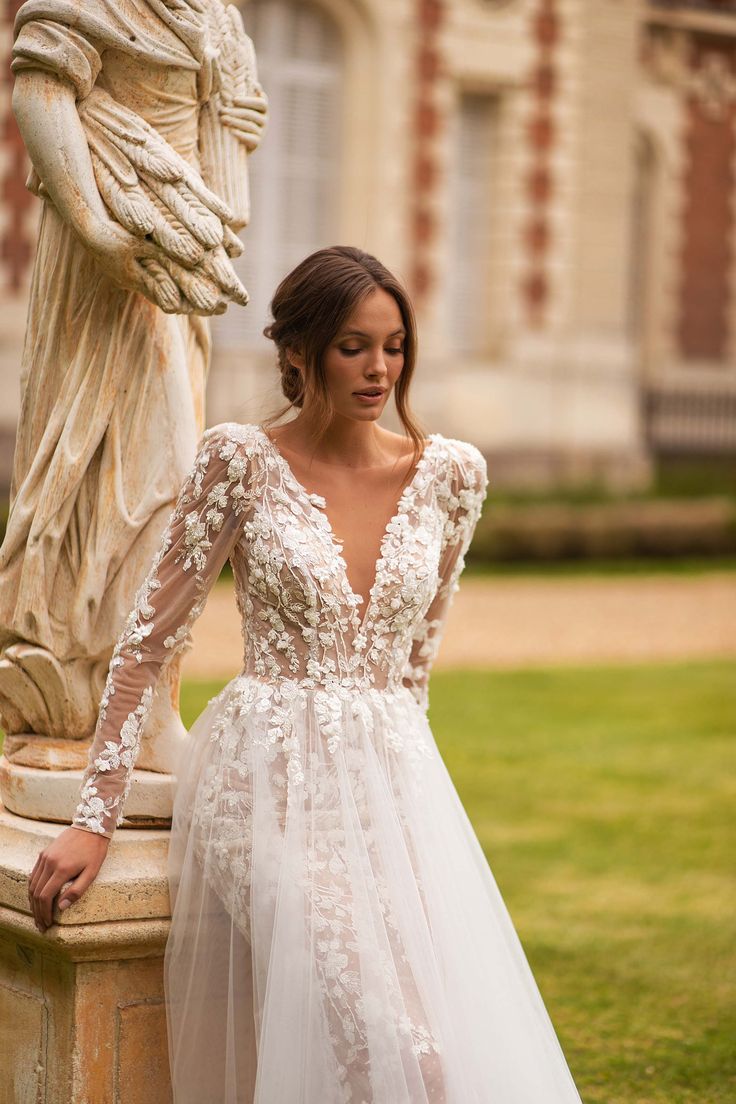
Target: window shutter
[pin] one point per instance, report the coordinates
(470, 224)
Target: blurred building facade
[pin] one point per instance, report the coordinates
(554, 180)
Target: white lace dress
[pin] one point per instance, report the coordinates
(337, 935)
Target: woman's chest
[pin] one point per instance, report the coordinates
(354, 564)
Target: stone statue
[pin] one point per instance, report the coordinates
(138, 116)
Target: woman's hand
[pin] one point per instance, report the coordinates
(70, 862)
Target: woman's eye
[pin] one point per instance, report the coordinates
(354, 352)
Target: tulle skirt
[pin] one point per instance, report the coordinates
(337, 934)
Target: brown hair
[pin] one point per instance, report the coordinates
(310, 306)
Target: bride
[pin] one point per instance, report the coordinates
(336, 932)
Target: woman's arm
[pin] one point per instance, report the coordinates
(201, 533)
(467, 492)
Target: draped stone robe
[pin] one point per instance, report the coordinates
(112, 388)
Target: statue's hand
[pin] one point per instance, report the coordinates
(126, 259)
(70, 863)
(141, 265)
(247, 116)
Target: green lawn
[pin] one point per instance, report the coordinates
(604, 800)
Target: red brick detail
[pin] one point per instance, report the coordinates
(16, 247)
(425, 173)
(539, 185)
(427, 132)
(546, 26)
(427, 120)
(429, 64)
(541, 131)
(541, 135)
(544, 81)
(431, 14)
(423, 227)
(421, 278)
(536, 294)
(537, 236)
(708, 229)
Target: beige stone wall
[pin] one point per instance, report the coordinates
(576, 99)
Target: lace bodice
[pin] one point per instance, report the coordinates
(302, 630)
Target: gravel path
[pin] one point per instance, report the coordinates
(510, 622)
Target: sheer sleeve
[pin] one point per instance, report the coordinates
(464, 493)
(201, 533)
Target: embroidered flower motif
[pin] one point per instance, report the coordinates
(305, 632)
(324, 685)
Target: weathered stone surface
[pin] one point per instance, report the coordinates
(53, 795)
(136, 237)
(24, 1019)
(45, 752)
(82, 1005)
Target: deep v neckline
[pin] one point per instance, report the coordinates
(319, 502)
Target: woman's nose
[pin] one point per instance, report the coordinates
(379, 364)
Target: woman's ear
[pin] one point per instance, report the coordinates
(295, 358)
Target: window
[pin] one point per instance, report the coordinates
(471, 194)
(295, 172)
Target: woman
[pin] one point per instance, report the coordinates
(336, 932)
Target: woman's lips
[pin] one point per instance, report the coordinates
(369, 399)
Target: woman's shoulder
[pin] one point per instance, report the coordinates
(467, 462)
(232, 435)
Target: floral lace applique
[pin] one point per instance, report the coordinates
(200, 533)
(302, 633)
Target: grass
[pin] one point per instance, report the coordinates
(603, 798)
(604, 801)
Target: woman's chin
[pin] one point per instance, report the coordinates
(352, 408)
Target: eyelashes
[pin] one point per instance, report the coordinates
(354, 352)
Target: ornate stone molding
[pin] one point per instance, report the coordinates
(674, 58)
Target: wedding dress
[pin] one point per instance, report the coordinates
(337, 934)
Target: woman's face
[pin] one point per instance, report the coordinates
(367, 355)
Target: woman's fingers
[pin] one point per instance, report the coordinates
(37, 879)
(71, 861)
(33, 877)
(47, 893)
(76, 887)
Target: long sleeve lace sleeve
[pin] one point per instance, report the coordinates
(197, 541)
(464, 495)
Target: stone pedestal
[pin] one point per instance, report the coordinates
(52, 796)
(41, 776)
(82, 1005)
